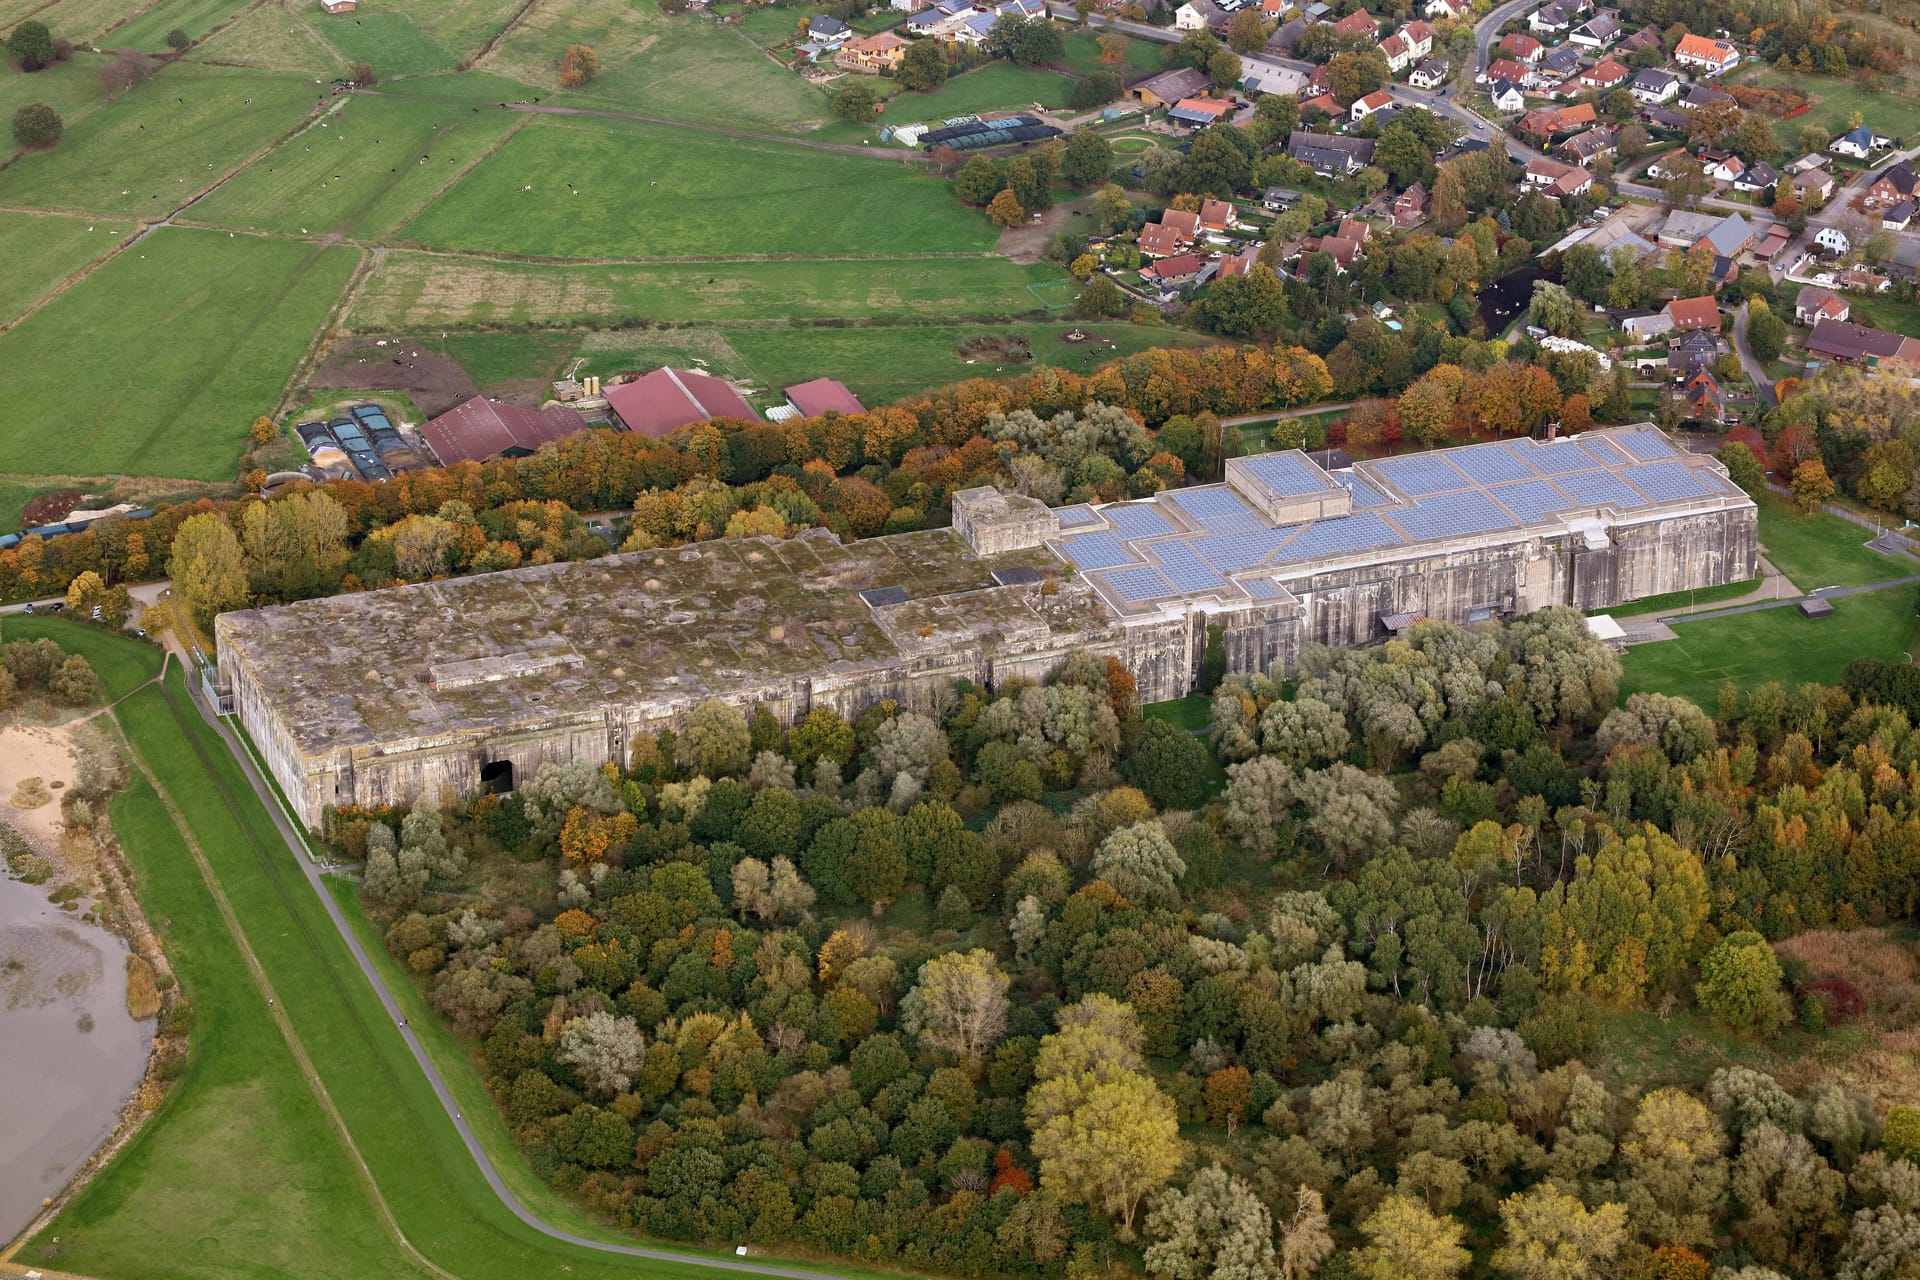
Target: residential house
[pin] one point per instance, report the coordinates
(1603, 75)
(1813, 186)
(1198, 113)
(1279, 199)
(1654, 86)
(827, 30)
(1169, 273)
(1729, 237)
(1319, 81)
(1560, 63)
(337, 6)
(1668, 166)
(1410, 206)
(1896, 183)
(1897, 218)
(871, 55)
(1286, 37)
(1521, 48)
(1644, 38)
(1217, 215)
(1272, 9)
(933, 18)
(1832, 239)
(1557, 16)
(1758, 177)
(1357, 23)
(1506, 96)
(1585, 148)
(1239, 264)
(1722, 166)
(1701, 96)
(1364, 107)
(1861, 280)
(1596, 33)
(1505, 69)
(1452, 9)
(1260, 76)
(1344, 252)
(1395, 51)
(1173, 234)
(1355, 230)
(1557, 181)
(1693, 351)
(1330, 155)
(667, 399)
(1707, 56)
(1548, 121)
(1665, 118)
(1430, 74)
(1859, 143)
(1169, 87)
(1419, 37)
(1814, 304)
(1641, 325)
(1197, 15)
(1323, 104)
(1695, 313)
(1849, 343)
(1703, 397)
(974, 30)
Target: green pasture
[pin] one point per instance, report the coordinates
(1682, 599)
(70, 88)
(681, 66)
(998, 86)
(147, 152)
(272, 39)
(650, 192)
(493, 358)
(1190, 713)
(413, 291)
(886, 363)
(375, 162)
(1083, 56)
(1884, 313)
(43, 249)
(75, 20)
(414, 38)
(148, 31)
(1820, 550)
(201, 331)
(1834, 102)
(1772, 644)
(122, 662)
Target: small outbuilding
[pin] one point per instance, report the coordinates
(823, 396)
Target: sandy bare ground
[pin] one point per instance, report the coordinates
(36, 751)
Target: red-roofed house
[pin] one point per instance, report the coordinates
(1557, 180)
(1395, 50)
(1217, 215)
(871, 55)
(1355, 230)
(1357, 23)
(1505, 69)
(1419, 37)
(1410, 206)
(1604, 74)
(1710, 56)
(1325, 104)
(1158, 240)
(1522, 48)
(1695, 313)
(667, 399)
(1169, 271)
(823, 396)
(1373, 102)
(480, 428)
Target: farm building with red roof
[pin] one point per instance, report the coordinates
(665, 400)
(480, 428)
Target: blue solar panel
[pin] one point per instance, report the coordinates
(1606, 452)
(1236, 551)
(1530, 500)
(1364, 494)
(1261, 588)
(1184, 567)
(1645, 445)
(1076, 515)
(1138, 520)
(1101, 550)
(1421, 473)
(1599, 488)
(1557, 458)
(1453, 514)
(1665, 481)
(1217, 509)
(1490, 464)
(1362, 532)
(1139, 584)
(1286, 475)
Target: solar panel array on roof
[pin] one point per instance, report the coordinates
(1237, 551)
(1138, 520)
(1101, 550)
(1490, 464)
(1286, 475)
(1664, 481)
(1184, 567)
(1644, 445)
(1606, 453)
(1600, 489)
(1076, 515)
(1260, 588)
(1364, 494)
(1217, 509)
(1139, 584)
(1453, 514)
(1362, 532)
(1420, 474)
(1558, 457)
(1530, 500)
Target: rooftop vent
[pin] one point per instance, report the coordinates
(1019, 575)
(878, 596)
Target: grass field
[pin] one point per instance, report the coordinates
(684, 67)
(409, 291)
(1834, 102)
(1190, 712)
(418, 37)
(1820, 550)
(998, 86)
(151, 149)
(639, 197)
(122, 663)
(43, 249)
(1682, 599)
(198, 332)
(376, 162)
(493, 358)
(275, 39)
(70, 88)
(1773, 644)
(195, 17)
(1884, 313)
(1083, 56)
(14, 496)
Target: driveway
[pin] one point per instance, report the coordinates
(1756, 372)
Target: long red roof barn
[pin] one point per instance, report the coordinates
(667, 399)
(823, 395)
(481, 428)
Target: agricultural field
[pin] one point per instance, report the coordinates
(639, 198)
(77, 20)
(1083, 56)
(42, 251)
(150, 151)
(416, 38)
(70, 88)
(418, 291)
(369, 166)
(998, 86)
(149, 30)
(273, 37)
(203, 331)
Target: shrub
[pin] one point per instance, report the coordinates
(37, 125)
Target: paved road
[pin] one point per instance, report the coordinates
(1485, 29)
(297, 847)
(1822, 593)
(1748, 361)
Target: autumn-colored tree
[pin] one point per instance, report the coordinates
(587, 837)
(842, 948)
(1008, 1176)
(577, 66)
(1408, 1241)
(1229, 1092)
(206, 566)
(1113, 49)
(262, 431)
(1676, 1262)
(1812, 486)
(1576, 412)
(1005, 211)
